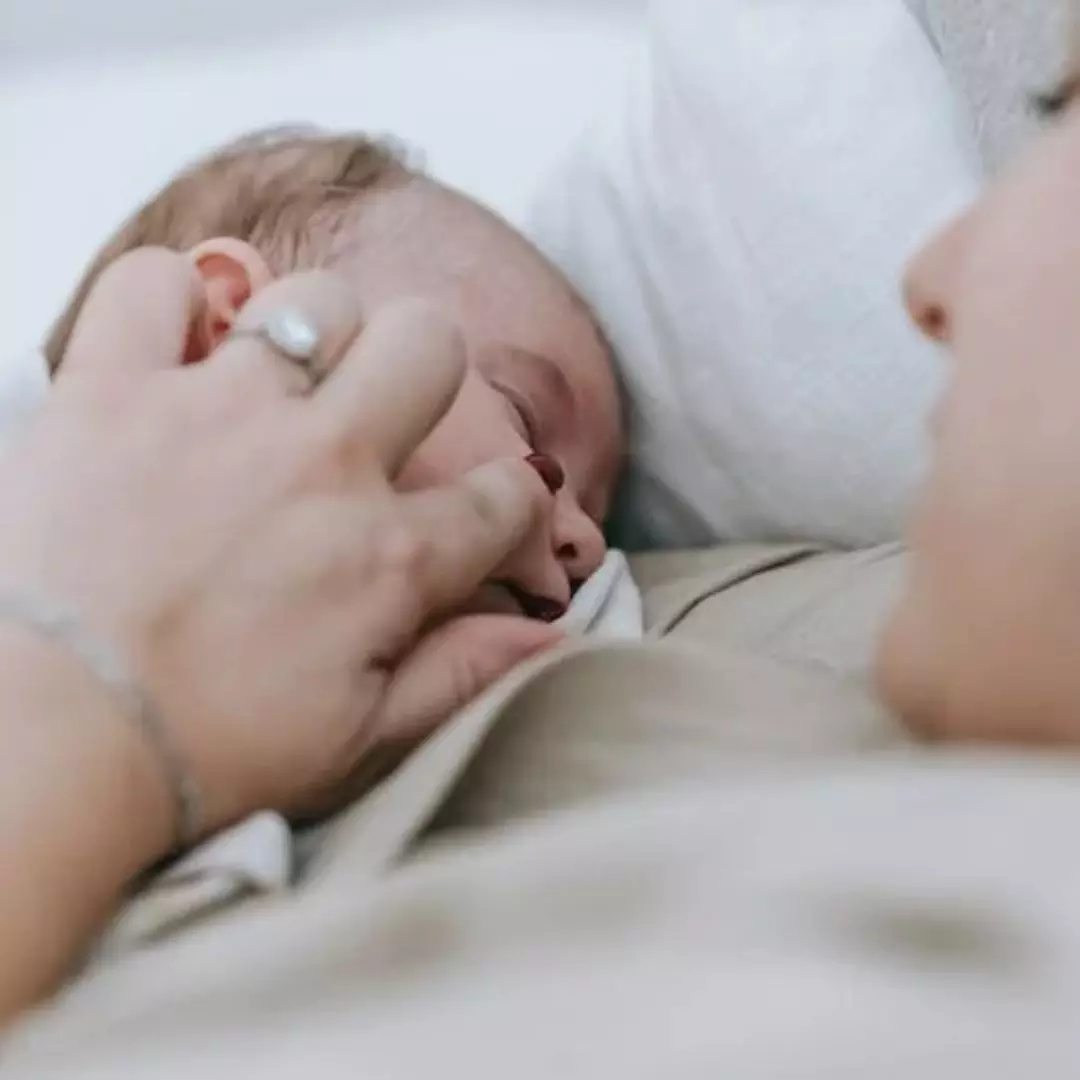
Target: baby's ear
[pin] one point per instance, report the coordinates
(232, 272)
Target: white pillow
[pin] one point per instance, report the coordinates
(741, 226)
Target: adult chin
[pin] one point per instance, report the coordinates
(908, 675)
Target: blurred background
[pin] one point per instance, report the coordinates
(101, 101)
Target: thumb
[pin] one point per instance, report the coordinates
(454, 664)
(472, 526)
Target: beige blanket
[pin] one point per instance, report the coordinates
(710, 855)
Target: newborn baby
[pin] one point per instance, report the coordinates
(540, 381)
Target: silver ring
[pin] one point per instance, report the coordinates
(292, 336)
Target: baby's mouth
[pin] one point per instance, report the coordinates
(506, 598)
(537, 607)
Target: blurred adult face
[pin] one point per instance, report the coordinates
(986, 641)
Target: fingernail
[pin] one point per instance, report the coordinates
(551, 472)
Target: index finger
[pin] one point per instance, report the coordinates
(397, 381)
(137, 315)
(467, 529)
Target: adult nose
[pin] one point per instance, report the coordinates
(931, 278)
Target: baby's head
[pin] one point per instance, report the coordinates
(540, 376)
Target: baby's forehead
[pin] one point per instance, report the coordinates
(524, 326)
(426, 224)
(419, 239)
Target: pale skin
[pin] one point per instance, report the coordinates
(986, 642)
(244, 547)
(539, 376)
(499, 361)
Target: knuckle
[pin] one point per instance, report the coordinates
(463, 679)
(334, 463)
(483, 510)
(404, 551)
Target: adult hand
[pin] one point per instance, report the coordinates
(243, 546)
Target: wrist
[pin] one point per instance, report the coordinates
(72, 730)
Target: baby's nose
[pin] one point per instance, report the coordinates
(577, 541)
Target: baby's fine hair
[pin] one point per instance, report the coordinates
(285, 191)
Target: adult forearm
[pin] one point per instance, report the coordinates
(82, 813)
